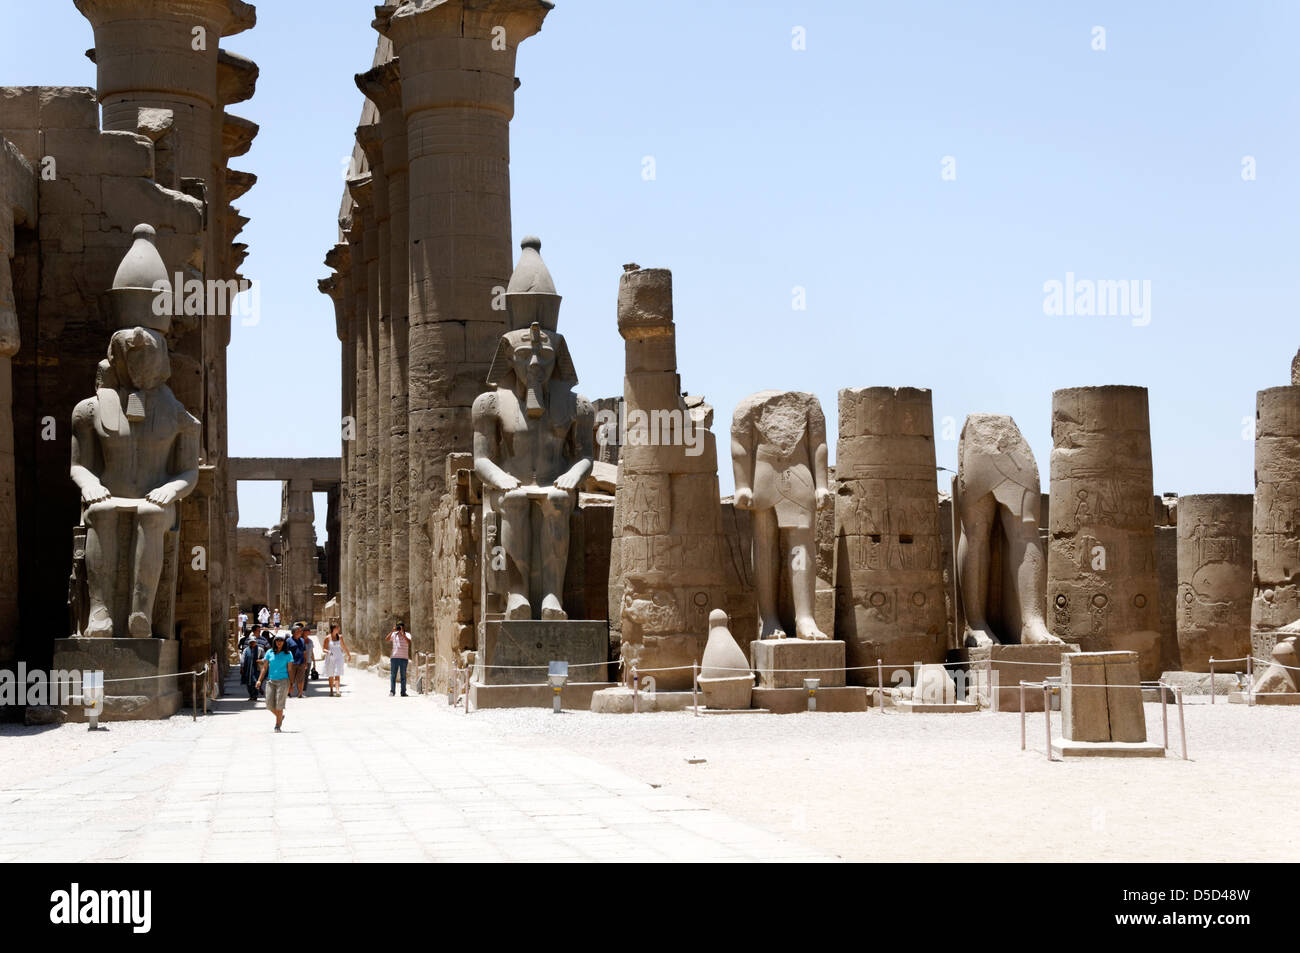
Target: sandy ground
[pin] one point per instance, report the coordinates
(870, 786)
(898, 787)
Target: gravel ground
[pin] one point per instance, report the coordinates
(889, 786)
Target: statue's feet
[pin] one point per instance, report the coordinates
(807, 629)
(1035, 633)
(100, 625)
(980, 638)
(518, 607)
(771, 629)
(552, 611)
(140, 626)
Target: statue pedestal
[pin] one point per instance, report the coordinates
(1011, 665)
(785, 663)
(1101, 700)
(148, 698)
(524, 650)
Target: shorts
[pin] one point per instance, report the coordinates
(277, 693)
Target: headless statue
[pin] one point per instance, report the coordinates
(997, 479)
(135, 453)
(778, 456)
(533, 441)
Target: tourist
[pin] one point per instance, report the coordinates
(335, 652)
(243, 622)
(297, 645)
(308, 657)
(263, 616)
(401, 642)
(275, 673)
(248, 667)
(275, 618)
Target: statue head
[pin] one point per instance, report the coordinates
(138, 358)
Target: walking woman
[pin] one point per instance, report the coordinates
(276, 664)
(335, 652)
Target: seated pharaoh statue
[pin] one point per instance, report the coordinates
(533, 444)
(135, 453)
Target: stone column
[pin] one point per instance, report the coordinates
(17, 204)
(1214, 580)
(1102, 589)
(360, 512)
(378, 256)
(1276, 548)
(667, 564)
(297, 550)
(889, 587)
(382, 85)
(458, 84)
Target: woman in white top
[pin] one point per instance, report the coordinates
(335, 652)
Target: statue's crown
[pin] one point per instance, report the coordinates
(530, 296)
(141, 278)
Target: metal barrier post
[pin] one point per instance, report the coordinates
(880, 677)
(1182, 725)
(1047, 718)
(194, 695)
(1250, 678)
(1164, 712)
(636, 694)
(1211, 680)
(695, 696)
(1022, 715)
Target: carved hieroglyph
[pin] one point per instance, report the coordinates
(135, 453)
(1214, 580)
(667, 569)
(1102, 590)
(778, 455)
(889, 592)
(997, 500)
(1276, 548)
(532, 446)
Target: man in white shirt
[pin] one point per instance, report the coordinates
(264, 615)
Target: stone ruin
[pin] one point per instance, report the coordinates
(625, 558)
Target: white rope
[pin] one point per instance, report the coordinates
(1292, 668)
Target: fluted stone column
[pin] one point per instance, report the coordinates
(1102, 589)
(378, 241)
(334, 287)
(370, 247)
(889, 588)
(458, 84)
(1214, 579)
(360, 513)
(382, 85)
(1276, 549)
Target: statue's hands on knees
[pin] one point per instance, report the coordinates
(744, 499)
(822, 497)
(507, 482)
(567, 482)
(161, 496)
(95, 494)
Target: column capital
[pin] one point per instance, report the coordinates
(371, 139)
(238, 183)
(339, 257)
(463, 18)
(236, 78)
(237, 135)
(362, 190)
(228, 17)
(382, 85)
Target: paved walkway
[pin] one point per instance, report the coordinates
(364, 777)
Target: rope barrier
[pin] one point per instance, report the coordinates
(1292, 668)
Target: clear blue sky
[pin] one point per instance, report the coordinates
(821, 169)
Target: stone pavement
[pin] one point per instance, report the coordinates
(364, 777)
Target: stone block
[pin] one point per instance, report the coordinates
(1012, 664)
(1111, 712)
(1127, 719)
(1085, 714)
(785, 663)
(727, 693)
(529, 646)
(618, 700)
(146, 696)
(576, 696)
(1063, 749)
